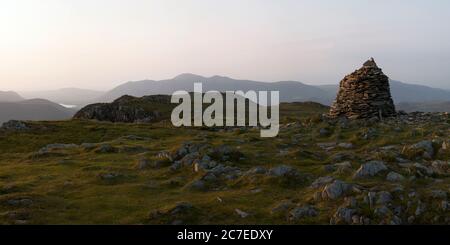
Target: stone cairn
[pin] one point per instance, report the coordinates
(364, 94)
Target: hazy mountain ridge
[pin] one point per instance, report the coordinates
(68, 96)
(35, 109)
(9, 96)
(290, 91)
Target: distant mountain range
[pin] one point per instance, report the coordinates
(408, 97)
(425, 106)
(35, 109)
(67, 96)
(290, 91)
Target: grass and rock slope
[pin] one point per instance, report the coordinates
(317, 171)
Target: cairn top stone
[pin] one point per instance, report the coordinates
(370, 63)
(364, 93)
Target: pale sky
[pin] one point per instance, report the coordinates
(98, 44)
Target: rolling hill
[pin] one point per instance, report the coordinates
(35, 109)
(67, 96)
(9, 96)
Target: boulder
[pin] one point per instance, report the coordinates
(370, 169)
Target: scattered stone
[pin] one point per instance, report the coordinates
(370, 169)
(283, 171)
(423, 148)
(346, 145)
(343, 215)
(257, 170)
(303, 212)
(394, 177)
(384, 198)
(327, 146)
(324, 132)
(423, 170)
(445, 205)
(20, 202)
(88, 146)
(143, 164)
(382, 211)
(241, 213)
(322, 181)
(440, 167)
(439, 194)
(282, 207)
(109, 176)
(343, 167)
(180, 207)
(198, 185)
(421, 208)
(336, 189)
(106, 148)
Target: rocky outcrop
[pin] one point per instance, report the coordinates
(364, 94)
(129, 109)
(15, 125)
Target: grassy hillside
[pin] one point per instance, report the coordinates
(83, 172)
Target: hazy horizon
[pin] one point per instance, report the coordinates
(53, 44)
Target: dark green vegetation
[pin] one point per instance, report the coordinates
(314, 172)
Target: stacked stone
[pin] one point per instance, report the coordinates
(364, 94)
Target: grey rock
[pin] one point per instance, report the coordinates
(421, 208)
(143, 164)
(303, 212)
(323, 132)
(384, 198)
(257, 170)
(370, 169)
(15, 125)
(439, 194)
(20, 202)
(283, 171)
(282, 207)
(176, 166)
(198, 185)
(106, 148)
(423, 170)
(346, 145)
(382, 211)
(322, 181)
(336, 190)
(396, 221)
(241, 213)
(344, 215)
(110, 176)
(426, 146)
(441, 167)
(181, 207)
(394, 177)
